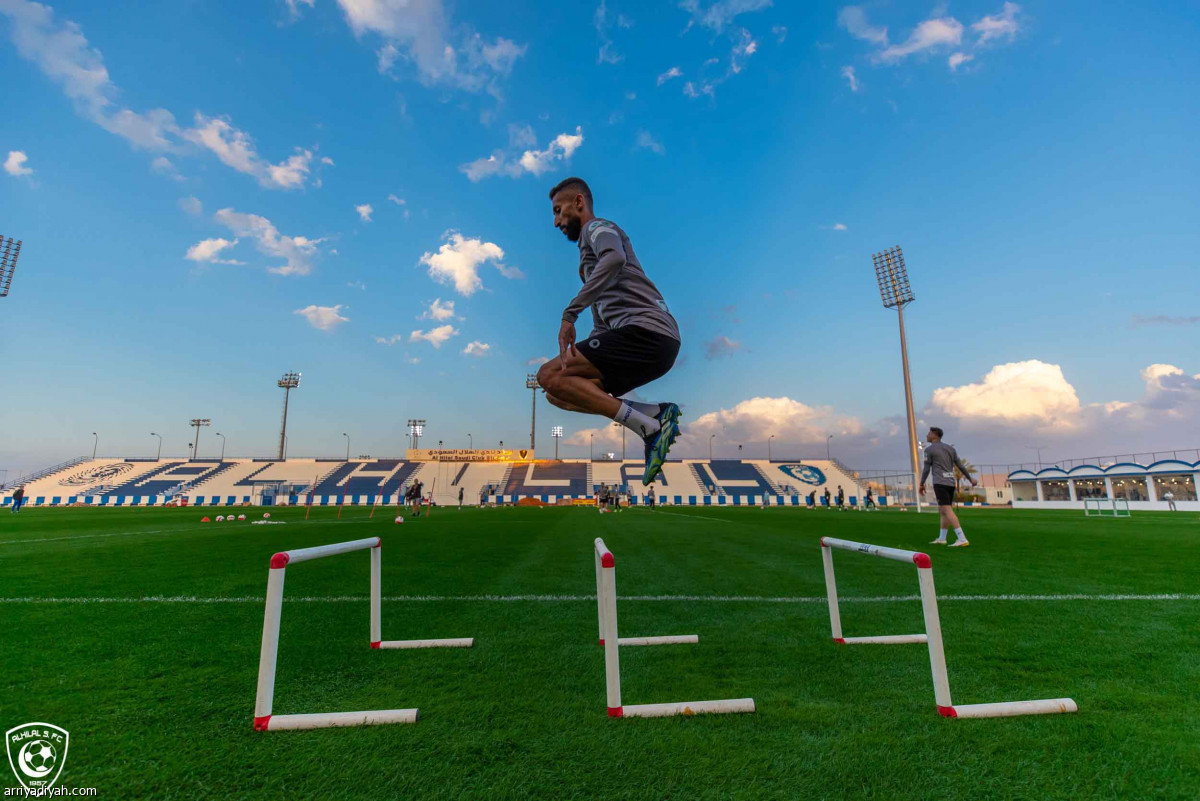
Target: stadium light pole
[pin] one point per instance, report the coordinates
(591, 447)
(159, 457)
(557, 433)
(892, 276)
(470, 442)
(198, 422)
(347, 436)
(623, 430)
(769, 446)
(8, 263)
(415, 429)
(222, 436)
(1039, 449)
(95, 444)
(290, 381)
(828, 457)
(711, 437)
(531, 383)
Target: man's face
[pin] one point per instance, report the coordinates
(568, 208)
(931, 437)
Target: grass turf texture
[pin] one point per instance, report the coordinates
(158, 696)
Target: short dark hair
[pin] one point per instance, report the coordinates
(937, 431)
(573, 183)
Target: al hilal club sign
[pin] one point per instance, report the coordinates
(37, 753)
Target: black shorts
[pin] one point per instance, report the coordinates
(944, 494)
(629, 357)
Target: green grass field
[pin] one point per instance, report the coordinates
(138, 631)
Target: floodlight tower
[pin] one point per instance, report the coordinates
(8, 263)
(415, 429)
(290, 381)
(892, 277)
(531, 383)
(196, 423)
(556, 432)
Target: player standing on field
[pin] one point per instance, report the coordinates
(634, 338)
(940, 460)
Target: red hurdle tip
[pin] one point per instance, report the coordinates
(922, 560)
(260, 724)
(607, 560)
(616, 711)
(279, 560)
(840, 640)
(375, 645)
(947, 712)
(822, 542)
(602, 641)
(378, 541)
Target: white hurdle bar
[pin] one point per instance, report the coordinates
(606, 599)
(264, 720)
(932, 636)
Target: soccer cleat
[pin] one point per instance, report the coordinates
(959, 544)
(658, 446)
(937, 542)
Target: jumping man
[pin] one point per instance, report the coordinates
(634, 338)
(941, 459)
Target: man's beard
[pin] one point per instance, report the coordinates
(573, 229)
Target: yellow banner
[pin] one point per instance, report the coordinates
(467, 455)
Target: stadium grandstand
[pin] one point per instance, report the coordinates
(113, 482)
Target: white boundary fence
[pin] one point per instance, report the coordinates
(1112, 510)
(932, 636)
(606, 600)
(263, 719)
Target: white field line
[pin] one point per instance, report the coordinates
(736, 599)
(201, 526)
(659, 511)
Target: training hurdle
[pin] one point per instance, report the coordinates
(1112, 510)
(606, 601)
(263, 719)
(932, 636)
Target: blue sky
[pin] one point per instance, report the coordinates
(1036, 161)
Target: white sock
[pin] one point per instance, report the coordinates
(942, 534)
(636, 421)
(959, 535)
(648, 409)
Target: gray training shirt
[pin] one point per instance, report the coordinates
(940, 459)
(615, 286)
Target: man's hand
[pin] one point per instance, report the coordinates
(922, 489)
(566, 341)
(974, 483)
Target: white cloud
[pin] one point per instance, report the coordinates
(236, 149)
(419, 32)
(1003, 24)
(297, 251)
(537, 361)
(392, 340)
(780, 33)
(458, 261)
(1032, 392)
(535, 162)
(434, 336)
(693, 92)
(323, 318)
(439, 311)
(477, 349)
(742, 50)
(840, 227)
(294, 7)
(191, 205)
(399, 201)
(608, 435)
(365, 211)
(756, 419)
(670, 74)
(932, 33)
(327, 161)
(208, 250)
(956, 60)
(717, 15)
(608, 55)
(851, 78)
(15, 163)
(854, 20)
(720, 346)
(647, 141)
(357, 285)
(164, 166)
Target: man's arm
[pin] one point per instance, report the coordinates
(606, 244)
(925, 471)
(962, 468)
